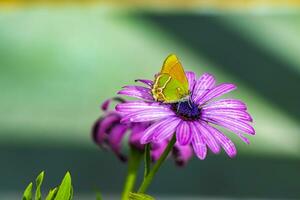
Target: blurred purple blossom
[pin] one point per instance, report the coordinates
(109, 133)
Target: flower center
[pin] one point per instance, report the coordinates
(187, 110)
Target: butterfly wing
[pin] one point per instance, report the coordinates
(171, 85)
(173, 67)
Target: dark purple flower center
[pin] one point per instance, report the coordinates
(187, 110)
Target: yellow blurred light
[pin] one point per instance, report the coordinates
(211, 4)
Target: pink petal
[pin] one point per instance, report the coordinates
(215, 92)
(105, 124)
(158, 150)
(137, 91)
(106, 103)
(243, 138)
(235, 114)
(147, 115)
(224, 141)
(135, 106)
(231, 124)
(182, 153)
(191, 77)
(150, 131)
(115, 137)
(165, 131)
(208, 137)
(202, 86)
(183, 133)
(225, 104)
(198, 143)
(147, 82)
(137, 131)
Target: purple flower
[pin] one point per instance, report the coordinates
(109, 133)
(193, 119)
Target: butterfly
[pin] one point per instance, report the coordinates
(171, 84)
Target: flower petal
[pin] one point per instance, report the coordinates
(147, 82)
(106, 103)
(137, 91)
(134, 106)
(137, 131)
(158, 150)
(151, 130)
(242, 137)
(224, 141)
(231, 124)
(183, 133)
(226, 104)
(115, 137)
(235, 114)
(202, 86)
(208, 137)
(106, 123)
(147, 115)
(191, 77)
(182, 153)
(215, 92)
(166, 130)
(198, 143)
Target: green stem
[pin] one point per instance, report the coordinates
(133, 165)
(148, 179)
(147, 159)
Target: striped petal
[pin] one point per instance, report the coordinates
(226, 104)
(183, 133)
(234, 125)
(191, 77)
(151, 130)
(165, 131)
(147, 82)
(215, 92)
(202, 86)
(134, 106)
(235, 114)
(243, 138)
(208, 137)
(224, 141)
(147, 115)
(198, 143)
(137, 91)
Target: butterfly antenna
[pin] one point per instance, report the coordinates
(190, 104)
(178, 106)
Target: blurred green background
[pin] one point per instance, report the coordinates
(57, 64)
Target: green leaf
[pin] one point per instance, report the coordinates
(52, 193)
(139, 196)
(27, 195)
(38, 182)
(71, 193)
(65, 189)
(98, 196)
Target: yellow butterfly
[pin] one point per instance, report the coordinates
(171, 84)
